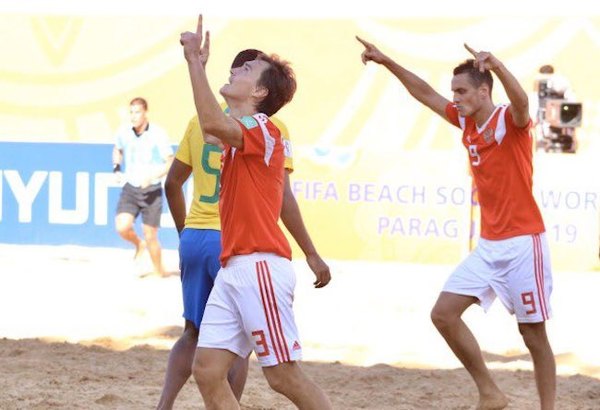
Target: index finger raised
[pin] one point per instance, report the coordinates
(364, 42)
(470, 50)
(199, 27)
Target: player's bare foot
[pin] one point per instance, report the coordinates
(495, 402)
(139, 249)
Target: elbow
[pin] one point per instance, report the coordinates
(170, 186)
(214, 125)
(522, 105)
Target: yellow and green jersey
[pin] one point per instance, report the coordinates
(205, 160)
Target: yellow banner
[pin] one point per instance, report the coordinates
(378, 176)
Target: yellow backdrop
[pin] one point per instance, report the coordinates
(378, 177)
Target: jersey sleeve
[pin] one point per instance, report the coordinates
(184, 153)
(119, 139)
(287, 143)
(259, 135)
(452, 115)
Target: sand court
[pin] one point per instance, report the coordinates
(81, 329)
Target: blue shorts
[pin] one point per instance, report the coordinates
(199, 251)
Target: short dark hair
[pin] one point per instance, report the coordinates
(280, 81)
(546, 69)
(139, 101)
(244, 56)
(476, 77)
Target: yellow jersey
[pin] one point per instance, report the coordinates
(205, 160)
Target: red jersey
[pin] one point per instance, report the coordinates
(251, 193)
(500, 154)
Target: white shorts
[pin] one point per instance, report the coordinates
(250, 308)
(517, 270)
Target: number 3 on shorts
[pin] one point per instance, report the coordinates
(261, 341)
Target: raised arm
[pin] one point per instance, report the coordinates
(416, 86)
(212, 119)
(292, 219)
(519, 102)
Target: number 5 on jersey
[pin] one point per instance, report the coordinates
(206, 151)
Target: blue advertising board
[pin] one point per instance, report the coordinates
(63, 193)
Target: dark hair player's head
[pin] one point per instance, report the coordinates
(476, 77)
(245, 55)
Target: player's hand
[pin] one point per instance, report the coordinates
(484, 60)
(193, 45)
(320, 269)
(371, 53)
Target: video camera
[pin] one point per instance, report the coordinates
(557, 118)
(563, 114)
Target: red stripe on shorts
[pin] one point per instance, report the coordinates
(278, 326)
(539, 273)
(285, 356)
(262, 287)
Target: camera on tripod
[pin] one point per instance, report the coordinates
(557, 116)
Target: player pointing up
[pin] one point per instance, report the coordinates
(511, 260)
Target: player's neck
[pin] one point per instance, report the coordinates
(141, 128)
(239, 109)
(483, 114)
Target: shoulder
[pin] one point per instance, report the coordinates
(259, 123)
(194, 122)
(282, 127)
(507, 117)
(249, 122)
(124, 133)
(193, 128)
(124, 130)
(155, 128)
(453, 116)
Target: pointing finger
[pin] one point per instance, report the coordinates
(363, 42)
(470, 50)
(199, 27)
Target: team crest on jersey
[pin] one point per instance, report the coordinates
(488, 134)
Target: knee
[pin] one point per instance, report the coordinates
(205, 375)
(277, 384)
(286, 377)
(534, 336)
(122, 227)
(150, 234)
(441, 319)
